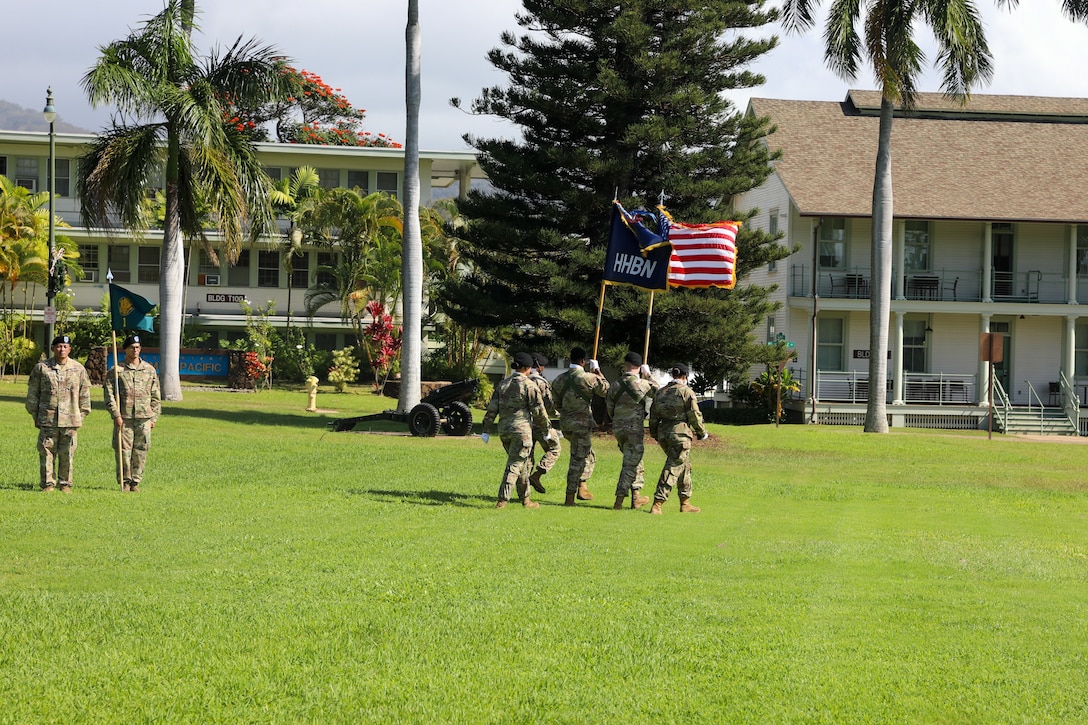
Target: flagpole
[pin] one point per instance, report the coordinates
(646, 344)
(600, 311)
(117, 399)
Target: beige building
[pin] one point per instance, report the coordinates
(990, 236)
(213, 290)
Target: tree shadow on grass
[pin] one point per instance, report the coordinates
(424, 498)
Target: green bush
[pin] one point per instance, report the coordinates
(345, 368)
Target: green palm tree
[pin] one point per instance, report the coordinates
(174, 114)
(886, 41)
(365, 231)
(294, 198)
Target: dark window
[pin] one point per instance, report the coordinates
(238, 275)
(148, 264)
(118, 259)
(268, 268)
(359, 180)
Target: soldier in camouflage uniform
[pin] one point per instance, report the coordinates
(674, 417)
(574, 391)
(518, 405)
(59, 397)
(549, 441)
(134, 413)
(627, 401)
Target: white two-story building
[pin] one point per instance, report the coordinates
(214, 290)
(990, 236)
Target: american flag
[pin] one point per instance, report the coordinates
(703, 255)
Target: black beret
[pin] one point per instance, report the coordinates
(61, 340)
(539, 360)
(632, 358)
(522, 360)
(130, 340)
(577, 353)
(679, 369)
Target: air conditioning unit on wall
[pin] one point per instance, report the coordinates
(209, 280)
(90, 275)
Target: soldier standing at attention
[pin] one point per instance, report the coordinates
(518, 405)
(674, 416)
(59, 397)
(574, 391)
(549, 439)
(134, 410)
(627, 400)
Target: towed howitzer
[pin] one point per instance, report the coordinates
(444, 408)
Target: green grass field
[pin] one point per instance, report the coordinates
(273, 572)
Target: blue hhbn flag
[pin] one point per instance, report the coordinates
(129, 311)
(630, 261)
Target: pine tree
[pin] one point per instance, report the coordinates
(615, 100)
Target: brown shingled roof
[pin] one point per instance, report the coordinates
(942, 167)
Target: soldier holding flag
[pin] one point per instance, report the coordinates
(131, 387)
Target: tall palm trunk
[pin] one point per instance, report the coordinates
(412, 252)
(876, 417)
(171, 282)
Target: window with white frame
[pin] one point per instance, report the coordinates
(118, 259)
(833, 243)
(238, 274)
(1080, 350)
(274, 172)
(1082, 250)
(328, 178)
(26, 173)
(268, 268)
(62, 178)
(916, 246)
(830, 344)
(147, 264)
(914, 346)
(359, 180)
(88, 260)
(300, 270)
(387, 182)
(326, 261)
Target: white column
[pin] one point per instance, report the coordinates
(1069, 363)
(897, 358)
(900, 255)
(1071, 283)
(983, 391)
(987, 265)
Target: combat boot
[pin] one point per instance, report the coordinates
(65, 488)
(656, 508)
(583, 492)
(49, 487)
(570, 500)
(529, 504)
(534, 481)
(638, 500)
(687, 508)
(618, 506)
(500, 504)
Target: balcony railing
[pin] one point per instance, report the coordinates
(852, 386)
(943, 285)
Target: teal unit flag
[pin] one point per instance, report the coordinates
(129, 311)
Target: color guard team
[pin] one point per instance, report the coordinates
(526, 404)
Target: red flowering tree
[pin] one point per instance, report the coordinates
(313, 113)
(382, 343)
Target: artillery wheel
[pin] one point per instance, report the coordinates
(424, 420)
(458, 420)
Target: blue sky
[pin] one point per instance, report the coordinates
(358, 46)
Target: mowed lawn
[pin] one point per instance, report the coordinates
(274, 572)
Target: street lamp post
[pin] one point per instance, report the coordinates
(50, 115)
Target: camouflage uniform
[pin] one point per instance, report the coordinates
(518, 405)
(550, 447)
(59, 398)
(574, 391)
(674, 416)
(139, 407)
(627, 400)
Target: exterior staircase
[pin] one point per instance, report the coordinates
(1037, 420)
